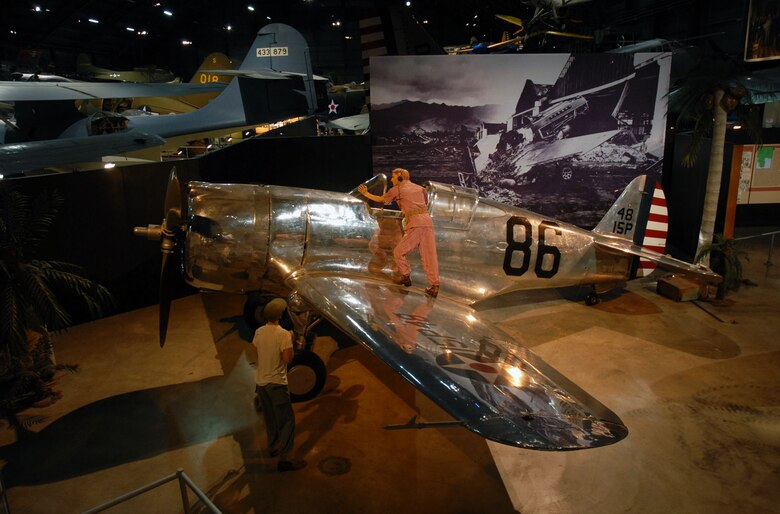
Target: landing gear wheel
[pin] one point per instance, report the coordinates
(567, 173)
(253, 311)
(306, 376)
(592, 299)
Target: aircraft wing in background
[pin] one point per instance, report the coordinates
(47, 91)
(356, 123)
(543, 151)
(480, 376)
(18, 157)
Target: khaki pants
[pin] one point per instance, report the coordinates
(279, 417)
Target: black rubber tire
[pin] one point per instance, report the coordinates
(306, 376)
(592, 299)
(253, 311)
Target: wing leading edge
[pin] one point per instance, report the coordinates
(16, 157)
(475, 372)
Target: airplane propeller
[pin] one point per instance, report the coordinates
(169, 234)
(171, 230)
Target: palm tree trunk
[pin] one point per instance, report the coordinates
(714, 173)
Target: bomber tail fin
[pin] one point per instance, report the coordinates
(639, 215)
(208, 70)
(279, 48)
(279, 57)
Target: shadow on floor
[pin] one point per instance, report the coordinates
(125, 428)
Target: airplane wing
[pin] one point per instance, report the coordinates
(44, 91)
(261, 74)
(621, 246)
(543, 152)
(358, 122)
(475, 372)
(16, 157)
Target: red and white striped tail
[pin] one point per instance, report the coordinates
(656, 231)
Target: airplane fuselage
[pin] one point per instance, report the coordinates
(244, 237)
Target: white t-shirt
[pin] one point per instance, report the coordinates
(270, 341)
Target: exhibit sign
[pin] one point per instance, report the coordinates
(761, 37)
(759, 174)
(559, 134)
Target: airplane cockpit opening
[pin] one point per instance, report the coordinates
(377, 185)
(106, 123)
(451, 206)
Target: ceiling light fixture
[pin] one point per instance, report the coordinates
(93, 20)
(251, 7)
(167, 12)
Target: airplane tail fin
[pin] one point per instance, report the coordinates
(639, 215)
(273, 83)
(212, 63)
(281, 48)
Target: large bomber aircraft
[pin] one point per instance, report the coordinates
(209, 72)
(330, 255)
(275, 82)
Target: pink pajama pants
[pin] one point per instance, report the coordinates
(424, 239)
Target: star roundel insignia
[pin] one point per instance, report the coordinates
(467, 364)
(332, 107)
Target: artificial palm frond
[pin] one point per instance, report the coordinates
(728, 250)
(36, 287)
(692, 101)
(36, 296)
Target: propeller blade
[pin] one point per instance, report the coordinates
(165, 298)
(171, 228)
(173, 203)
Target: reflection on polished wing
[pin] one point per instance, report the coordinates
(497, 388)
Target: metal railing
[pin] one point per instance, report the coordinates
(771, 243)
(184, 482)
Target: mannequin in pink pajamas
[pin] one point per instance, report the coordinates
(413, 201)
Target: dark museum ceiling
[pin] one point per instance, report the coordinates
(49, 34)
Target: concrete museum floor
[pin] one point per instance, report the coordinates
(697, 384)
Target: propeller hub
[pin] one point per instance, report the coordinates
(151, 232)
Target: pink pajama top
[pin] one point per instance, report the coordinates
(413, 201)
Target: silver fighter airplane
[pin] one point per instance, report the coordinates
(331, 255)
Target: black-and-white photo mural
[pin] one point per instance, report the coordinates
(558, 134)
